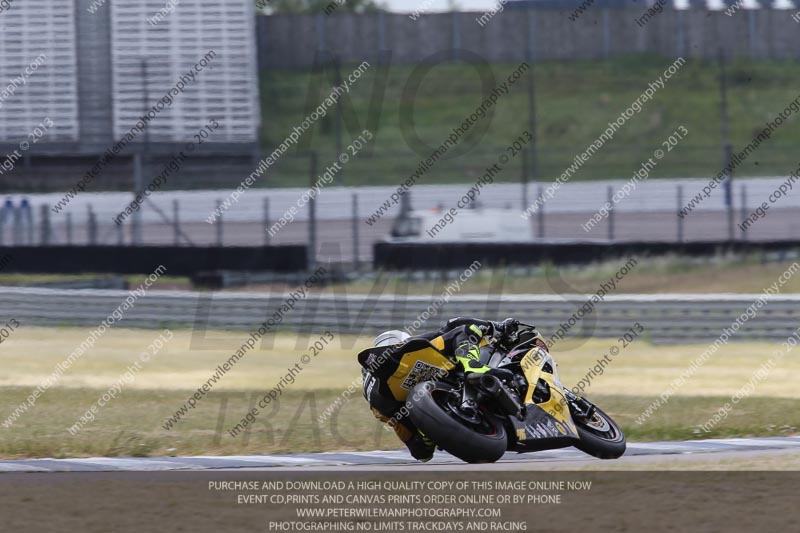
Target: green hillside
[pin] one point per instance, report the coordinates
(574, 102)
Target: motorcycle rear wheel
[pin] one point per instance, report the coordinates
(431, 413)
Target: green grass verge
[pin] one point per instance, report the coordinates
(131, 424)
(668, 274)
(742, 275)
(166, 282)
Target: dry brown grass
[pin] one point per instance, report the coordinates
(641, 369)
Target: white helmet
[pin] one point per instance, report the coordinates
(391, 337)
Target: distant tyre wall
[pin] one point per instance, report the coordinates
(179, 261)
(456, 256)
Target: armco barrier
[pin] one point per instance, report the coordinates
(666, 318)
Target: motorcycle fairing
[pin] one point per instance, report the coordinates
(405, 365)
(550, 419)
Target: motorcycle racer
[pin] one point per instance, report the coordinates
(387, 377)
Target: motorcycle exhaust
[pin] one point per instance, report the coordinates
(494, 388)
(490, 384)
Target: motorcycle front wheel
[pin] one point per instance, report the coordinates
(435, 411)
(600, 436)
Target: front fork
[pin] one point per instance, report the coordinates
(580, 407)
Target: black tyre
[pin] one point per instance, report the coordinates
(600, 436)
(431, 412)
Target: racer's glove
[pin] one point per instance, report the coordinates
(506, 327)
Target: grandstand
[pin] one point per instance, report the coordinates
(94, 68)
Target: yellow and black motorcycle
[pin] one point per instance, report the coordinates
(520, 405)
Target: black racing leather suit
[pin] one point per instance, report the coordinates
(459, 339)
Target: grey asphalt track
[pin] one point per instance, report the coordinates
(391, 459)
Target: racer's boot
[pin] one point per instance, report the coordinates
(421, 447)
